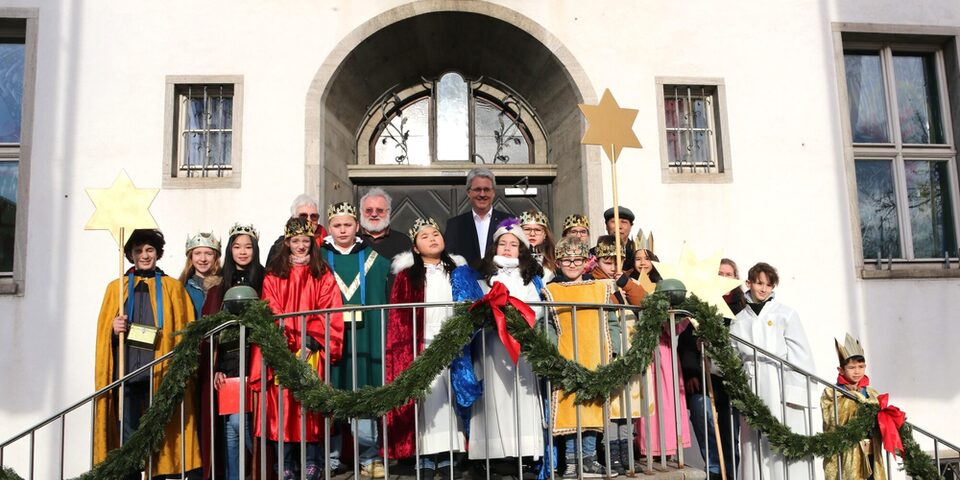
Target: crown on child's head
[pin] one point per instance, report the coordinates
(341, 209)
(575, 220)
(534, 217)
(850, 348)
(609, 249)
(238, 229)
(203, 239)
(419, 224)
(571, 247)
(643, 241)
(297, 226)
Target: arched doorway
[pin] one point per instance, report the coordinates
(418, 43)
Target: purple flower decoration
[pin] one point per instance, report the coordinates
(509, 223)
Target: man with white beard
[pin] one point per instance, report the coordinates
(375, 225)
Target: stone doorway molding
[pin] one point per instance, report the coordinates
(555, 83)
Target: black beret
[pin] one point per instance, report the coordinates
(625, 214)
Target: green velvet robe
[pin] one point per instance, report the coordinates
(367, 334)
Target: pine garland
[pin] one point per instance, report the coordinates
(413, 383)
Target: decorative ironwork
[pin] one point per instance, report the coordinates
(509, 133)
(398, 134)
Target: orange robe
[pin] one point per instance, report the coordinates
(297, 293)
(177, 313)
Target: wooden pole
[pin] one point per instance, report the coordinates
(616, 208)
(121, 349)
(716, 423)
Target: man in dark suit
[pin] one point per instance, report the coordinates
(470, 233)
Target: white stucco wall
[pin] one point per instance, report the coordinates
(99, 108)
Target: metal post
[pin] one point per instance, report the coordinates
(836, 424)
(674, 365)
(627, 396)
(658, 392)
(416, 404)
(706, 425)
(551, 456)
(353, 373)
(303, 411)
(383, 381)
(606, 342)
(264, 426)
(483, 399)
(213, 416)
(326, 380)
(243, 401)
(783, 416)
(32, 448)
(63, 428)
(576, 359)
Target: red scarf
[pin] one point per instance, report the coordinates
(863, 383)
(499, 297)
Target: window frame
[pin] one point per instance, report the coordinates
(13, 283)
(720, 137)
(531, 129)
(942, 43)
(173, 176)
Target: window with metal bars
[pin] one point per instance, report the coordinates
(205, 130)
(690, 125)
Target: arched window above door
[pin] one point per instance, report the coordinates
(451, 120)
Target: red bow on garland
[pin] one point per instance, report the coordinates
(890, 419)
(499, 297)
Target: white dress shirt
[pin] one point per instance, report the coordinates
(483, 225)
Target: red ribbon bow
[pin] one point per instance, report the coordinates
(499, 297)
(890, 419)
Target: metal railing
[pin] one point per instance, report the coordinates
(654, 408)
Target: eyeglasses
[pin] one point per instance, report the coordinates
(311, 216)
(534, 230)
(578, 231)
(572, 262)
(371, 211)
(481, 190)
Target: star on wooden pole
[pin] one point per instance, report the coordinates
(122, 206)
(611, 127)
(701, 278)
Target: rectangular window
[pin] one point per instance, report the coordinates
(903, 149)
(693, 143)
(12, 56)
(204, 133)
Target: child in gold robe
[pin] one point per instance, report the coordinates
(864, 460)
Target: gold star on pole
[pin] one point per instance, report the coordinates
(121, 206)
(701, 278)
(610, 126)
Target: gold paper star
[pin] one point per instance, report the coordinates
(610, 126)
(701, 278)
(121, 206)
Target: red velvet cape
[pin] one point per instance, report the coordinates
(400, 421)
(299, 292)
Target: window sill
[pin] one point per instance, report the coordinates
(9, 287)
(232, 181)
(670, 175)
(906, 271)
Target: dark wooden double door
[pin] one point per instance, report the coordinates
(444, 201)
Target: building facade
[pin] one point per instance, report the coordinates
(817, 135)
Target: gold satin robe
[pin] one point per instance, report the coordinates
(856, 464)
(177, 313)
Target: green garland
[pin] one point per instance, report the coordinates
(413, 383)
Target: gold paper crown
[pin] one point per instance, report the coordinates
(419, 224)
(534, 217)
(609, 250)
(575, 220)
(238, 229)
(341, 209)
(203, 239)
(298, 226)
(572, 247)
(850, 348)
(643, 241)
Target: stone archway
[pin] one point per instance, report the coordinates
(430, 36)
